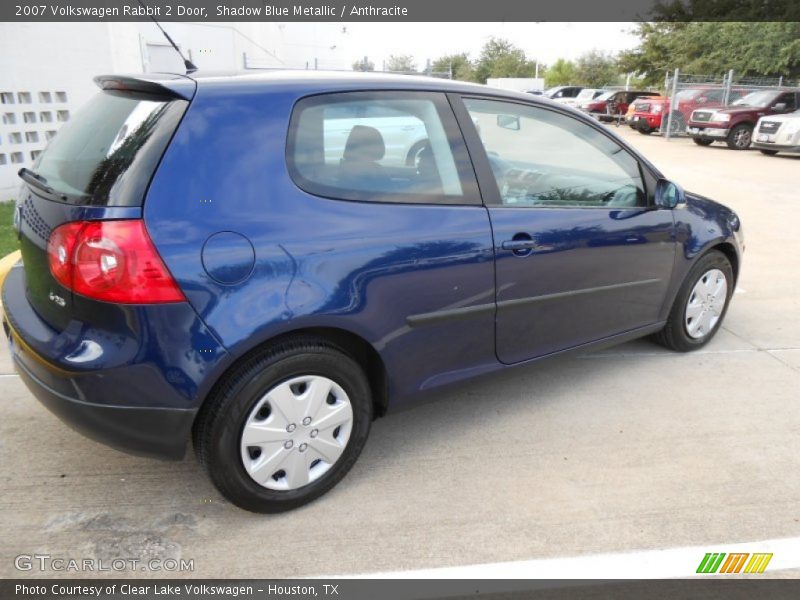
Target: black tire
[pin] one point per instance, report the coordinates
(740, 137)
(678, 124)
(218, 428)
(768, 152)
(702, 142)
(674, 335)
(645, 131)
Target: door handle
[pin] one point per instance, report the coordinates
(519, 245)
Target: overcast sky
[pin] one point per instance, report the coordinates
(543, 41)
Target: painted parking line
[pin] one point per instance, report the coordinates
(646, 564)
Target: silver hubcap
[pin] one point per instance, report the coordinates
(742, 138)
(706, 303)
(296, 432)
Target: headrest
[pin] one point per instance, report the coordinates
(364, 144)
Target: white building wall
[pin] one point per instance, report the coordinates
(46, 70)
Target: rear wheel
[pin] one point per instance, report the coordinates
(740, 137)
(645, 130)
(286, 426)
(769, 152)
(700, 305)
(702, 142)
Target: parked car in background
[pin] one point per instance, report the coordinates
(585, 95)
(778, 133)
(613, 104)
(654, 115)
(197, 265)
(734, 125)
(629, 115)
(645, 113)
(562, 92)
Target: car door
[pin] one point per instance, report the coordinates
(581, 252)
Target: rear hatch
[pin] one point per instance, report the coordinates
(97, 167)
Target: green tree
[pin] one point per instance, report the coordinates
(363, 64)
(404, 63)
(561, 72)
(596, 69)
(501, 58)
(462, 66)
(712, 48)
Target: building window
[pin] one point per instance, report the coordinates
(45, 97)
(3, 159)
(24, 97)
(62, 115)
(46, 116)
(15, 137)
(61, 96)
(31, 137)
(35, 154)
(49, 135)
(16, 157)
(6, 98)
(9, 118)
(29, 117)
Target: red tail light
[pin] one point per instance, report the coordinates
(114, 261)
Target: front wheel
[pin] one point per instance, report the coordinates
(677, 125)
(740, 137)
(286, 426)
(700, 305)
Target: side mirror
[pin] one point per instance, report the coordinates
(508, 122)
(668, 194)
(779, 106)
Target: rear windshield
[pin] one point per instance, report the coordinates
(107, 154)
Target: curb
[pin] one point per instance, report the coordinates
(6, 263)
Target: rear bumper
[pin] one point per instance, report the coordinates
(154, 432)
(136, 389)
(703, 131)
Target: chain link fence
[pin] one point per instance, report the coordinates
(684, 93)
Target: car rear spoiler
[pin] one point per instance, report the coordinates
(167, 85)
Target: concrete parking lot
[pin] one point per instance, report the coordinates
(630, 448)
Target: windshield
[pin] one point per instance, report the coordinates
(760, 99)
(588, 93)
(605, 96)
(686, 94)
(107, 154)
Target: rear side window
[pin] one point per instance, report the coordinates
(380, 147)
(108, 152)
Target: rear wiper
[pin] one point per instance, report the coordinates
(37, 181)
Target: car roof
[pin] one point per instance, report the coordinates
(325, 79)
(305, 82)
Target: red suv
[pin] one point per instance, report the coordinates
(734, 125)
(650, 116)
(612, 104)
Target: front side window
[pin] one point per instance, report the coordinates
(543, 158)
(380, 147)
(787, 99)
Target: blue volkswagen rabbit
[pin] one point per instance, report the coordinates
(263, 264)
